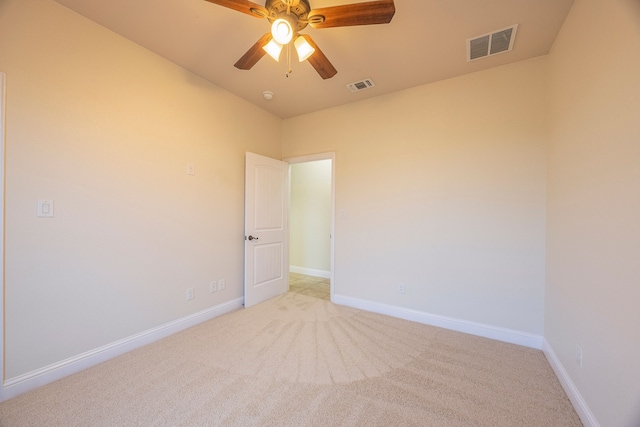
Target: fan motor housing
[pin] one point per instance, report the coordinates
(299, 9)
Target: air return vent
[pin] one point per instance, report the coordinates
(491, 44)
(361, 85)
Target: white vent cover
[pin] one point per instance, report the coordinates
(361, 85)
(491, 44)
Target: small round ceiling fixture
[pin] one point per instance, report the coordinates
(268, 95)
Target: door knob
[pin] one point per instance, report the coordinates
(252, 238)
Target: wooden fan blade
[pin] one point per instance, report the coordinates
(254, 54)
(319, 61)
(373, 12)
(244, 6)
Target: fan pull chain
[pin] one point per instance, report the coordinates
(289, 69)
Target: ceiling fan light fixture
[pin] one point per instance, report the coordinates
(282, 31)
(304, 49)
(273, 48)
(288, 17)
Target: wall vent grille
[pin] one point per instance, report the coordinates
(491, 44)
(361, 85)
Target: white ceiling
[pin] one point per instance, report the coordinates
(425, 42)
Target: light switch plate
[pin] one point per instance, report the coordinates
(45, 208)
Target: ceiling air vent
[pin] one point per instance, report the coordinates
(491, 44)
(361, 85)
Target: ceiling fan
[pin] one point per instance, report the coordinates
(289, 17)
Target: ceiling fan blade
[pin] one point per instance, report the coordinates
(319, 61)
(254, 54)
(244, 6)
(373, 12)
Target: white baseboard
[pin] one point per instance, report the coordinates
(31, 380)
(581, 407)
(493, 332)
(310, 272)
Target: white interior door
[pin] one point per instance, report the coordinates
(266, 244)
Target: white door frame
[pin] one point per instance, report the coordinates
(2, 180)
(312, 158)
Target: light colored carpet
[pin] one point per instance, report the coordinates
(296, 360)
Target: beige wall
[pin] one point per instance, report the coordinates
(444, 188)
(106, 129)
(310, 213)
(593, 249)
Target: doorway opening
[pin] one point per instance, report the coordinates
(311, 225)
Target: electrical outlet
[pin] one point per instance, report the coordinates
(189, 294)
(191, 169)
(579, 355)
(213, 287)
(221, 285)
(401, 288)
